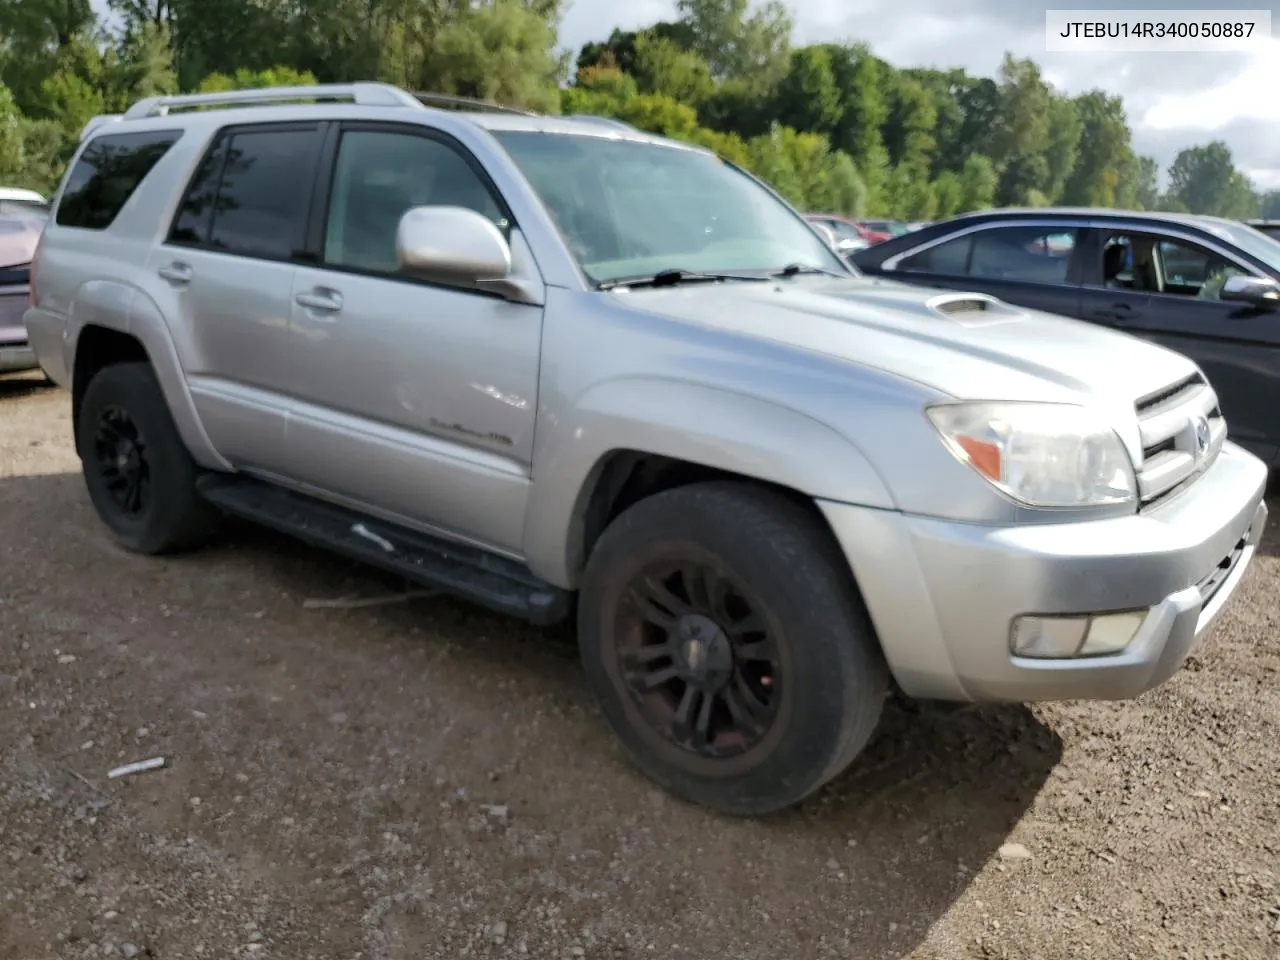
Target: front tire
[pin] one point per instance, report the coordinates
(728, 648)
(139, 475)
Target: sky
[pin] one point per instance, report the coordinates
(1173, 100)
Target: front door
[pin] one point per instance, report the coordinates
(413, 399)
(1165, 289)
(227, 271)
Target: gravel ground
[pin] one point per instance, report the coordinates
(424, 780)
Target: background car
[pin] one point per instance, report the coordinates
(885, 229)
(1204, 286)
(14, 200)
(849, 236)
(21, 223)
(1270, 227)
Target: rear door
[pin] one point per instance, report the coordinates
(1167, 293)
(228, 268)
(1034, 265)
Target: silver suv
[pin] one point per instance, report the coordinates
(564, 368)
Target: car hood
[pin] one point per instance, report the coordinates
(967, 345)
(18, 238)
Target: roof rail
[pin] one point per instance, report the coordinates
(605, 121)
(454, 100)
(364, 94)
(96, 122)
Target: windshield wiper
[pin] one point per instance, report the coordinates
(794, 269)
(670, 278)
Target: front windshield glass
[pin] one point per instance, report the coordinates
(1253, 242)
(631, 209)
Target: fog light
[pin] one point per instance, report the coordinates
(1112, 633)
(1048, 637)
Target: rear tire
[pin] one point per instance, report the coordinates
(728, 648)
(140, 477)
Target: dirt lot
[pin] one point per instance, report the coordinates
(423, 780)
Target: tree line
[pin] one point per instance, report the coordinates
(831, 126)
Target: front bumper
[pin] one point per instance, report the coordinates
(943, 595)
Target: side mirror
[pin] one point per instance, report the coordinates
(451, 245)
(1257, 291)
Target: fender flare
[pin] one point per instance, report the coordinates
(125, 309)
(709, 426)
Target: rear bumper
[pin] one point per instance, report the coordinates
(944, 595)
(16, 356)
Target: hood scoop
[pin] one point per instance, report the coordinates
(973, 309)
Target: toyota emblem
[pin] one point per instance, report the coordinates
(1202, 436)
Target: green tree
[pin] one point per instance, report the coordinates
(949, 194)
(1148, 186)
(660, 65)
(1205, 180)
(808, 96)
(859, 77)
(1104, 145)
(751, 47)
(978, 182)
(1269, 207)
(1021, 127)
(1063, 149)
(500, 51)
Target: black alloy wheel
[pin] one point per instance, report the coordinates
(701, 664)
(121, 453)
(727, 645)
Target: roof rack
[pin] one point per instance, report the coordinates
(605, 121)
(363, 94)
(454, 100)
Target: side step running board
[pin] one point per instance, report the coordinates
(468, 572)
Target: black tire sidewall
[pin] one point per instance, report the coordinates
(832, 677)
(174, 512)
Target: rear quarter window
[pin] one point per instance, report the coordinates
(107, 173)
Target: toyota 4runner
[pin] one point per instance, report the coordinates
(564, 368)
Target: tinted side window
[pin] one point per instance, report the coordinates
(106, 174)
(1030, 254)
(263, 197)
(194, 221)
(950, 258)
(377, 177)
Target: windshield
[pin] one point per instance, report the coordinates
(1253, 242)
(631, 209)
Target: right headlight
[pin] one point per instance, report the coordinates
(1040, 454)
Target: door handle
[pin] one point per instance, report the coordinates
(1116, 311)
(321, 300)
(177, 273)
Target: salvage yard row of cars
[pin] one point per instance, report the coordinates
(567, 369)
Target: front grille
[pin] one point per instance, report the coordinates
(1182, 430)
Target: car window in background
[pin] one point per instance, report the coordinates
(949, 258)
(1028, 254)
(1253, 242)
(1192, 271)
(629, 208)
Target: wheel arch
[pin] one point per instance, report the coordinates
(629, 439)
(127, 326)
